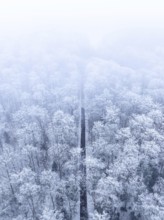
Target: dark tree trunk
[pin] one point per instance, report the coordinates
(83, 187)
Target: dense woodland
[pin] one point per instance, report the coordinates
(40, 128)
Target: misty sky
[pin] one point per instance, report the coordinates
(88, 17)
(128, 31)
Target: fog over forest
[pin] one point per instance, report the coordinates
(81, 123)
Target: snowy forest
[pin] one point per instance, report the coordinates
(81, 130)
